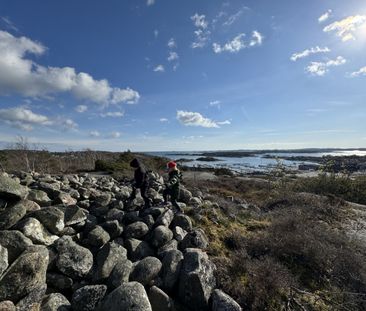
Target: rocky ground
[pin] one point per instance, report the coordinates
(73, 242)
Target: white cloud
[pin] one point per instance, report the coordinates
(9, 24)
(308, 52)
(115, 114)
(347, 27)
(150, 2)
(215, 103)
(163, 120)
(94, 134)
(361, 72)
(173, 56)
(115, 134)
(195, 119)
(325, 16)
(257, 38)
(159, 68)
(238, 43)
(199, 21)
(21, 75)
(69, 124)
(23, 118)
(81, 108)
(156, 33)
(226, 122)
(232, 19)
(172, 44)
(320, 69)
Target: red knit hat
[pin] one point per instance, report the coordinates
(172, 164)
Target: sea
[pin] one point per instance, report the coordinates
(256, 163)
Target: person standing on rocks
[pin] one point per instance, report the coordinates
(140, 182)
(172, 186)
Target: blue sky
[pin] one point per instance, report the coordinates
(151, 75)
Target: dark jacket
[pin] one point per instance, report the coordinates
(140, 173)
(174, 180)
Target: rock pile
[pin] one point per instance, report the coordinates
(74, 242)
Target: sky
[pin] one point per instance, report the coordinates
(154, 75)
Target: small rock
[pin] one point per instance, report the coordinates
(27, 273)
(179, 233)
(15, 242)
(172, 263)
(52, 218)
(223, 302)
(98, 237)
(113, 227)
(161, 235)
(165, 219)
(103, 199)
(11, 189)
(136, 230)
(35, 231)
(87, 298)
(159, 300)
(66, 199)
(59, 281)
(7, 305)
(74, 215)
(130, 296)
(73, 260)
(11, 215)
(40, 197)
(169, 246)
(33, 300)
(30, 206)
(3, 259)
(195, 239)
(115, 214)
(120, 273)
(138, 249)
(146, 270)
(55, 302)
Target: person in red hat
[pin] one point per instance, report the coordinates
(172, 186)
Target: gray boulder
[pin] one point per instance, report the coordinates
(98, 237)
(159, 300)
(52, 218)
(223, 302)
(172, 263)
(30, 206)
(107, 258)
(103, 199)
(40, 197)
(120, 273)
(115, 214)
(51, 188)
(161, 235)
(73, 260)
(33, 300)
(11, 189)
(146, 270)
(136, 230)
(184, 195)
(35, 231)
(15, 242)
(3, 259)
(113, 227)
(165, 218)
(59, 281)
(87, 298)
(138, 249)
(65, 199)
(7, 305)
(169, 246)
(27, 273)
(182, 221)
(11, 215)
(74, 215)
(130, 296)
(195, 239)
(179, 233)
(55, 302)
(196, 280)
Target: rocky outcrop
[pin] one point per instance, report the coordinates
(74, 242)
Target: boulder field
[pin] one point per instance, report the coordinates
(75, 242)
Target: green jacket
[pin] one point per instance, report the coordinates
(174, 180)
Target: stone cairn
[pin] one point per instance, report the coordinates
(72, 242)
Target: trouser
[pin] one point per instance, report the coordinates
(143, 190)
(174, 195)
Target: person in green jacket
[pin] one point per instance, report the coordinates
(172, 186)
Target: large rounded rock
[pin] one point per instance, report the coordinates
(34, 230)
(172, 263)
(33, 300)
(182, 221)
(107, 258)
(195, 239)
(136, 230)
(74, 215)
(27, 273)
(171, 245)
(113, 227)
(120, 273)
(161, 236)
(98, 237)
(130, 296)
(196, 280)
(40, 197)
(15, 242)
(11, 215)
(138, 249)
(146, 270)
(55, 302)
(87, 298)
(184, 195)
(73, 260)
(65, 199)
(3, 259)
(11, 189)
(7, 305)
(165, 218)
(52, 218)
(223, 302)
(159, 300)
(103, 199)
